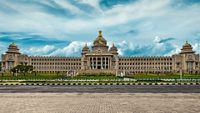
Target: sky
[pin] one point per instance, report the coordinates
(63, 27)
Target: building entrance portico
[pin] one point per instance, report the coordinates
(100, 62)
(100, 58)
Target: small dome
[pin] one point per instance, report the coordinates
(85, 48)
(13, 48)
(186, 45)
(13, 45)
(187, 48)
(113, 48)
(100, 40)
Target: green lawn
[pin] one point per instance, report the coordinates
(54, 76)
(48, 76)
(164, 76)
(101, 77)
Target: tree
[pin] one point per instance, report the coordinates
(30, 68)
(14, 70)
(23, 69)
(27, 69)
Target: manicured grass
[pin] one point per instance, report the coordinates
(164, 76)
(38, 76)
(54, 76)
(100, 77)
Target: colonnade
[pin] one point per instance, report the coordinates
(100, 62)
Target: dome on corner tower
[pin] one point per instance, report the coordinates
(114, 49)
(13, 48)
(100, 41)
(187, 45)
(13, 45)
(85, 50)
(187, 48)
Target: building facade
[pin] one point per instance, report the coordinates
(102, 59)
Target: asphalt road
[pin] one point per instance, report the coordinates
(103, 89)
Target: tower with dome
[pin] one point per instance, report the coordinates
(13, 57)
(100, 58)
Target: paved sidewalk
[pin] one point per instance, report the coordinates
(99, 102)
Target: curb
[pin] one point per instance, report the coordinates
(65, 84)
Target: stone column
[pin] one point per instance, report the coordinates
(92, 62)
(89, 64)
(101, 63)
(96, 61)
(105, 63)
(110, 63)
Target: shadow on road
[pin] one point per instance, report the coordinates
(102, 89)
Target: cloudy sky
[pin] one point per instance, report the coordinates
(62, 27)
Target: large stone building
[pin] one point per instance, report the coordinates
(101, 58)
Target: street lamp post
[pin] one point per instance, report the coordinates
(116, 71)
(181, 71)
(16, 72)
(198, 53)
(181, 74)
(198, 50)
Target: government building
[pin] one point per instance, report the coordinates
(104, 59)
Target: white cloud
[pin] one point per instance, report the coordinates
(157, 39)
(73, 49)
(69, 6)
(149, 17)
(154, 48)
(196, 47)
(37, 51)
(3, 48)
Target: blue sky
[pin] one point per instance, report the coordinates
(62, 27)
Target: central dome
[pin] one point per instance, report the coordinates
(100, 45)
(100, 41)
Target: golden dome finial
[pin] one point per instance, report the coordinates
(100, 33)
